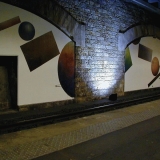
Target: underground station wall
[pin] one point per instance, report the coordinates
(70, 51)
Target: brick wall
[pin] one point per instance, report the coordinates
(100, 65)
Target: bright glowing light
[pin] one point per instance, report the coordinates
(107, 79)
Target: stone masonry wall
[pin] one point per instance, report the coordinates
(99, 65)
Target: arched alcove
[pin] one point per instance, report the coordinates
(51, 11)
(137, 32)
(132, 43)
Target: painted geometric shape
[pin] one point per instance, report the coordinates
(153, 80)
(66, 65)
(128, 60)
(145, 53)
(26, 31)
(155, 66)
(9, 23)
(40, 50)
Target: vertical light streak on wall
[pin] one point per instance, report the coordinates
(9, 23)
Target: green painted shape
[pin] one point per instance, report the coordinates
(128, 60)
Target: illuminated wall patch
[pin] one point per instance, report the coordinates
(40, 50)
(9, 23)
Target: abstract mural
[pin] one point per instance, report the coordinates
(46, 61)
(145, 53)
(40, 50)
(144, 71)
(9, 23)
(26, 31)
(66, 69)
(128, 60)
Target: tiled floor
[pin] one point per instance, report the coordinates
(32, 143)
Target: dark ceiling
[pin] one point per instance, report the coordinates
(155, 3)
(151, 5)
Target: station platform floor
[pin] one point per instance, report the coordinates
(126, 133)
